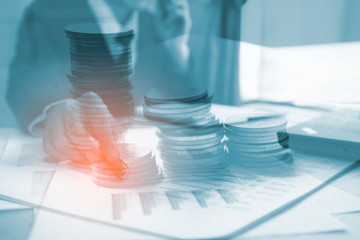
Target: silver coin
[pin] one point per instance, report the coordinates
(117, 72)
(101, 43)
(140, 121)
(261, 155)
(123, 83)
(109, 171)
(181, 105)
(102, 60)
(256, 140)
(103, 54)
(106, 57)
(255, 123)
(192, 152)
(133, 151)
(99, 50)
(204, 159)
(125, 65)
(79, 167)
(88, 46)
(257, 147)
(111, 41)
(206, 120)
(82, 71)
(163, 145)
(177, 116)
(175, 93)
(94, 30)
(188, 168)
(191, 143)
(164, 111)
(98, 80)
(190, 138)
(277, 133)
(110, 58)
(190, 131)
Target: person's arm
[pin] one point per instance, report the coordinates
(37, 74)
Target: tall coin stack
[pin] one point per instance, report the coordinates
(101, 62)
(256, 140)
(189, 133)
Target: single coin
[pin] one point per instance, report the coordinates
(189, 138)
(257, 147)
(255, 123)
(186, 148)
(102, 60)
(193, 152)
(174, 110)
(116, 72)
(175, 116)
(94, 30)
(103, 54)
(214, 140)
(181, 105)
(256, 140)
(233, 132)
(175, 93)
(269, 155)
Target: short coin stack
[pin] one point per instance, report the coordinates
(101, 62)
(256, 140)
(91, 126)
(141, 166)
(189, 133)
(89, 117)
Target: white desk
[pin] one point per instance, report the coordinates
(348, 183)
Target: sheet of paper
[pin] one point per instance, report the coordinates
(319, 166)
(202, 209)
(25, 170)
(293, 114)
(312, 216)
(301, 219)
(50, 225)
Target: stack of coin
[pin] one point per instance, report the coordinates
(101, 62)
(141, 168)
(91, 126)
(189, 133)
(256, 140)
(89, 122)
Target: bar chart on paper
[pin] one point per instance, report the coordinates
(239, 198)
(149, 202)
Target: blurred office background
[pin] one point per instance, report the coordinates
(269, 23)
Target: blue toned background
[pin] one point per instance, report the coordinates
(272, 23)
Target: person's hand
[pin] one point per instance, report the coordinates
(82, 130)
(173, 21)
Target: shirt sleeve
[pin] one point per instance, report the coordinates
(37, 125)
(37, 73)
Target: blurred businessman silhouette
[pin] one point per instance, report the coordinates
(37, 76)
